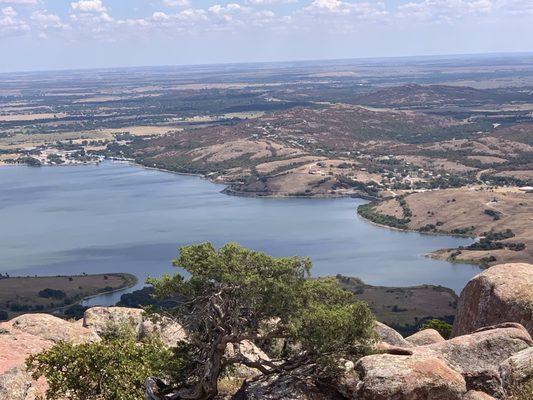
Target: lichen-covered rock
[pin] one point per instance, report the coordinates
(16, 347)
(16, 384)
(389, 336)
(170, 332)
(416, 377)
(16, 344)
(102, 319)
(477, 356)
(502, 293)
(51, 328)
(477, 395)
(517, 368)
(424, 337)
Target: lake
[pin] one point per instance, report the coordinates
(117, 217)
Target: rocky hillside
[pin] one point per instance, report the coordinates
(492, 350)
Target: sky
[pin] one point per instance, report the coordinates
(63, 34)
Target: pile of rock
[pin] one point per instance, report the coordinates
(491, 349)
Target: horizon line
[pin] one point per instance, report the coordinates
(250, 63)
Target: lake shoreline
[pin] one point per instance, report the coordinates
(169, 212)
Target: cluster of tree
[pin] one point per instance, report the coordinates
(407, 214)
(138, 298)
(492, 241)
(496, 215)
(463, 231)
(16, 307)
(368, 211)
(229, 295)
(52, 294)
(30, 161)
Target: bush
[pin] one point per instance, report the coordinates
(113, 369)
(76, 311)
(52, 294)
(442, 327)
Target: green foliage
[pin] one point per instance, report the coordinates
(368, 211)
(442, 327)
(234, 294)
(113, 369)
(52, 294)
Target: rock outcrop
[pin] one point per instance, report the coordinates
(477, 366)
(17, 384)
(477, 356)
(425, 336)
(517, 368)
(101, 319)
(490, 350)
(477, 395)
(389, 337)
(415, 377)
(26, 335)
(502, 293)
(48, 327)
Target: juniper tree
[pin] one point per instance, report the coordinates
(234, 294)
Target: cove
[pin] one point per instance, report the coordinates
(118, 217)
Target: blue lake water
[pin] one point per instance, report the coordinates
(122, 218)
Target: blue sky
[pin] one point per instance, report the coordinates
(58, 34)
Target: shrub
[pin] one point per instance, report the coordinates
(442, 327)
(52, 294)
(113, 369)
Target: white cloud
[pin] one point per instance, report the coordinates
(270, 2)
(91, 17)
(515, 7)
(10, 24)
(176, 3)
(88, 6)
(447, 10)
(21, 2)
(362, 10)
(45, 20)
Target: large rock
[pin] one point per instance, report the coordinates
(424, 337)
(16, 384)
(102, 319)
(415, 377)
(16, 347)
(502, 293)
(26, 335)
(477, 395)
(477, 356)
(518, 368)
(388, 336)
(48, 327)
